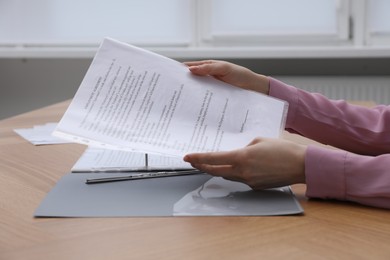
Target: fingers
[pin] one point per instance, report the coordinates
(208, 67)
(233, 157)
(214, 158)
(219, 170)
(198, 67)
(222, 164)
(197, 63)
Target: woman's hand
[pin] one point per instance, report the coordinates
(230, 73)
(264, 163)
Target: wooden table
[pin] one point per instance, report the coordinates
(327, 230)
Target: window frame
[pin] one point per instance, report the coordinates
(352, 41)
(372, 38)
(93, 42)
(246, 39)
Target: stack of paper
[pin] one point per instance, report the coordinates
(41, 134)
(132, 99)
(137, 101)
(106, 160)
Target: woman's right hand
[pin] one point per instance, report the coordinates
(230, 73)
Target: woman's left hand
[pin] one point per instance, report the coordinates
(264, 163)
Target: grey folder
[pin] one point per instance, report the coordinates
(71, 197)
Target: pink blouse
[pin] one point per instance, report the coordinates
(360, 172)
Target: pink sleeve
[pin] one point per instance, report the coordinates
(362, 131)
(353, 128)
(337, 174)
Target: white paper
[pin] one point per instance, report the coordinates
(132, 99)
(105, 160)
(40, 134)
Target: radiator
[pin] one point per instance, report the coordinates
(358, 88)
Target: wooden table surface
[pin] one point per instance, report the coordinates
(327, 229)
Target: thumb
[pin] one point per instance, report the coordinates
(256, 141)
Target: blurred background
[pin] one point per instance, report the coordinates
(340, 48)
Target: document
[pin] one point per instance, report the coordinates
(132, 99)
(40, 134)
(96, 159)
